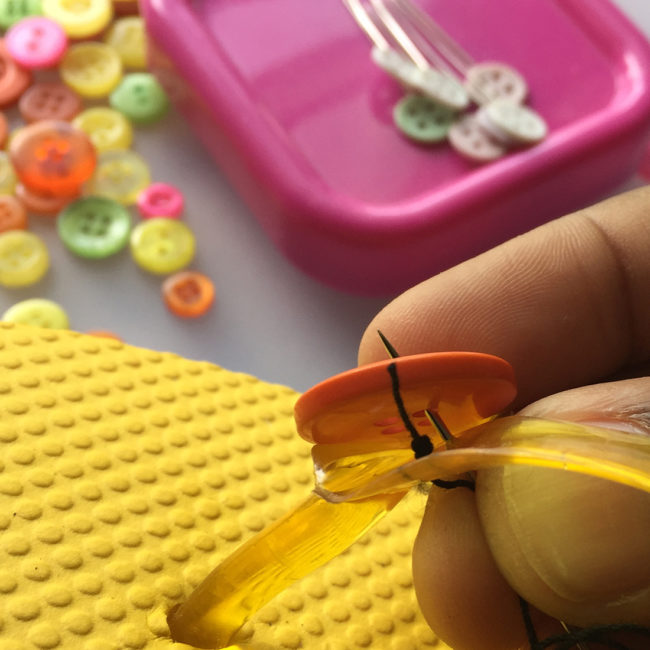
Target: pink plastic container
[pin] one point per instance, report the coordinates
(284, 95)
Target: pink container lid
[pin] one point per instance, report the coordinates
(286, 98)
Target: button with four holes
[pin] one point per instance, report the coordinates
(421, 119)
(140, 97)
(36, 42)
(162, 245)
(13, 215)
(513, 124)
(94, 227)
(11, 11)
(120, 175)
(52, 156)
(91, 69)
(160, 200)
(49, 100)
(107, 128)
(14, 79)
(127, 36)
(488, 81)
(81, 18)
(38, 312)
(188, 294)
(473, 142)
(24, 259)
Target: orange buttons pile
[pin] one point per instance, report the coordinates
(74, 162)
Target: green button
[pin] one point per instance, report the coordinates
(94, 227)
(11, 11)
(38, 312)
(421, 119)
(140, 98)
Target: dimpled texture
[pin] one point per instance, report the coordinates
(126, 475)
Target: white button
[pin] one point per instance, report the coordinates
(512, 123)
(488, 81)
(471, 141)
(442, 88)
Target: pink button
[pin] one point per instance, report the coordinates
(160, 200)
(36, 42)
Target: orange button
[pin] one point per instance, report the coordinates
(188, 294)
(4, 129)
(13, 79)
(49, 100)
(52, 157)
(46, 204)
(13, 215)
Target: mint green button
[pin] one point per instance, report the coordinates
(421, 119)
(140, 97)
(11, 11)
(94, 227)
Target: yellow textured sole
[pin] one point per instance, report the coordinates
(126, 475)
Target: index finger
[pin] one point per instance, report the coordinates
(566, 304)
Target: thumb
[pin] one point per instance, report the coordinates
(575, 547)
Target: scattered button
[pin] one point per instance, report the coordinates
(421, 119)
(160, 200)
(24, 259)
(36, 42)
(107, 129)
(471, 141)
(94, 227)
(120, 175)
(188, 294)
(91, 69)
(140, 97)
(7, 174)
(52, 156)
(14, 79)
(14, 10)
(79, 19)
(38, 312)
(49, 100)
(512, 123)
(13, 215)
(44, 204)
(127, 36)
(488, 81)
(162, 245)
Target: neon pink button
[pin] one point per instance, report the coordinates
(36, 42)
(160, 200)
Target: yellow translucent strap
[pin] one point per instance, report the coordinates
(612, 455)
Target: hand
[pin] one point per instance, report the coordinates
(568, 305)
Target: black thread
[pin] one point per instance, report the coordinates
(421, 445)
(531, 634)
(451, 485)
(392, 352)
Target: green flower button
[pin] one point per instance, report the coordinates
(94, 227)
(421, 119)
(11, 11)
(140, 97)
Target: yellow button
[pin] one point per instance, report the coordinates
(162, 245)
(107, 129)
(127, 36)
(119, 175)
(92, 69)
(24, 258)
(38, 312)
(7, 174)
(79, 18)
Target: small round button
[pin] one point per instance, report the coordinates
(7, 174)
(13, 215)
(91, 69)
(38, 312)
(11, 11)
(14, 79)
(4, 129)
(140, 97)
(473, 142)
(107, 129)
(188, 294)
(161, 245)
(45, 204)
(36, 42)
(160, 200)
(512, 123)
(24, 259)
(81, 18)
(52, 157)
(489, 80)
(120, 175)
(421, 119)
(94, 227)
(104, 334)
(49, 100)
(127, 36)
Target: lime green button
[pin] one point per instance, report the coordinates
(140, 97)
(38, 312)
(11, 11)
(24, 259)
(421, 119)
(94, 227)
(119, 175)
(162, 245)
